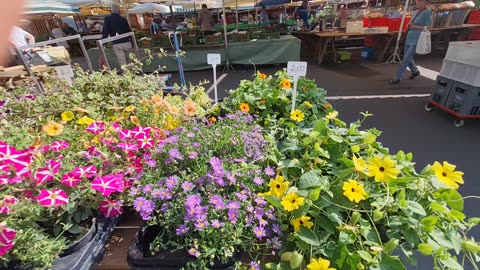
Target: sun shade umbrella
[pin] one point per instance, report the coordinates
(36, 7)
(149, 8)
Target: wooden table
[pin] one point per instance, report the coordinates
(323, 40)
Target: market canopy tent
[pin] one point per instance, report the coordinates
(149, 8)
(37, 7)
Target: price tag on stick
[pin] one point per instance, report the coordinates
(214, 59)
(296, 70)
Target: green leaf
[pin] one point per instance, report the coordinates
(453, 199)
(425, 249)
(473, 221)
(321, 127)
(274, 201)
(302, 245)
(307, 235)
(457, 214)
(365, 255)
(296, 260)
(326, 225)
(314, 194)
(313, 179)
(355, 148)
(369, 138)
(416, 208)
(388, 262)
(452, 264)
(336, 138)
(437, 207)
(430, 220)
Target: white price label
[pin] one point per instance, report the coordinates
(297, 69)
(64, 72)
(214, 58)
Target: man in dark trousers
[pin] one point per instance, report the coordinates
(114, 25)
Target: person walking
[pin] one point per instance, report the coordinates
(18, 38)
(205, 20)
(421, 18)
(114, 25)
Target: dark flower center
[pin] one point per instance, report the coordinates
(444, 174)
(353, 190)
(301, 222)
(293, 201)
(278, 185)
(382, 169)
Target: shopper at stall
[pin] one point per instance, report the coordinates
(264, 16)
(114, 25)
(302, 13)
(57, 32)
(68, 30)
(205, 20)
(421, 18)
(154, 29)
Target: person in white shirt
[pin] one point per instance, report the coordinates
(18, 38)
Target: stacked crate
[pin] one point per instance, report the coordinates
(474, 18)
(458, 85)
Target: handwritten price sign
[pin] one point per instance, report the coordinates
(296, 70)
(214, 59)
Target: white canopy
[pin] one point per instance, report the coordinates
(36, 7)
(82, 3)
(149, 8)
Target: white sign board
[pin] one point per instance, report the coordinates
(214, 59)
(296, 70)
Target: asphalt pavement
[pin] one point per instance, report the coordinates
(406, 125)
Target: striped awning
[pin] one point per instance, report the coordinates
(38, 7)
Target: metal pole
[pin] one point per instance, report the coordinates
(236, 11)
(29, 71)
(228, 66)
(126, 13)
(395, 57)
(103, 54)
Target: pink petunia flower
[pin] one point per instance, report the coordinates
(57, 146)
(127, 147)
(10, 156)
(43, 176)
(51, 198)
(6, 239)
(108, 184)
(88, 172)
(145, 143)
(116, 126)
(96, 127)
(70, 179)
(111, 208)
(141, 132)
(124, 134)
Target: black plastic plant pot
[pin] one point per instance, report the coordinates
(140, 258)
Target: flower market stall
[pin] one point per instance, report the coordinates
(250, 183)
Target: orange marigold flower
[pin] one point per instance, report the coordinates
(52, 128)
(244, 107)
(212, 119)
(286, 84)
(135, 120)
(189, 108)
(262, 75)
(156, 98)
(173, 110)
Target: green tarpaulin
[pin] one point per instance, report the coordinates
(259, 52)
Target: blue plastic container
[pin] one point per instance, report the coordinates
(366, 53)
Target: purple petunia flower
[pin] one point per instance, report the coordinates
(216, 224)
(259, 232)
(174, 154)
(171, 182)
(269, 171)
(257, 180)
(187, 186)
(183, 229)
(193, 155)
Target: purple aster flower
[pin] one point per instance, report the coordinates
(260, 201)
(257, 180)
(233, 216)
(133, 191)
(258, 213)
(192, 200)
(172, 140)
(147, 209)
(151, 163)
(254, 266)
(216, 224)
(269, 171)
(156, 193)
(165, 194)
(217, 180)
(164, 208)
(139, 203)
(147, 188)
(194, 252)
(248, 221)
(171, 182)
(183, 229)
(196, 144)
(215, 199)
(231, 178)
(201, 224)
(270, 215)
(174, 154)
(216, 165)
(239, 160)
(233, 205)
(196, 129)
(193, 155)
(187, 186)
(259, 232)
(274, 243)
(262, 222)
(190, 134)
(201, 212)
(276, 229)
(241, 196)
(250, 209)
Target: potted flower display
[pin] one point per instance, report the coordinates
(197, 191)
(342, 199)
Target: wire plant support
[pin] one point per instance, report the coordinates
(395, 57)
(227, 66)
(117, 37)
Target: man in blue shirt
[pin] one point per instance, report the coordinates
(421, 18)
(114, 25)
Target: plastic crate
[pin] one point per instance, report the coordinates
(463, 73)
(474, 17)
(442, 90)
(375, 22)
(464, 99)
(465, 52)
(344, 55)
(394, 24)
